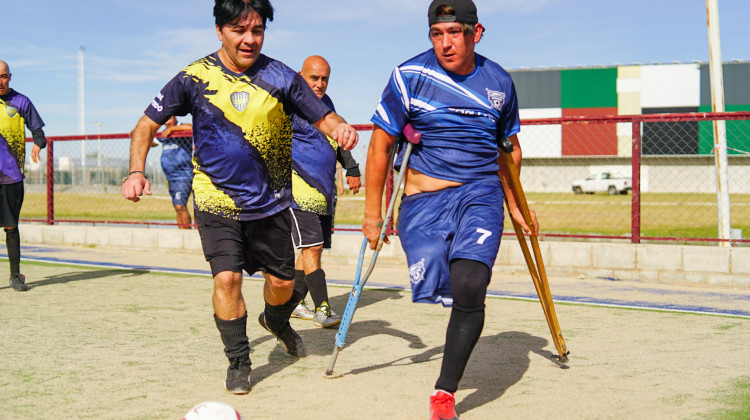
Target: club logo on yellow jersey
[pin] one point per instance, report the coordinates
(240, 100)
(12, 111)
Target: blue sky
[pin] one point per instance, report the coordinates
(133, 47)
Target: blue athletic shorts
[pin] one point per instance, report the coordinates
(435, 228)
(179, 190)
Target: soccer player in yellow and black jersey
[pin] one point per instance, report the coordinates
(16, 113)
(242, 103)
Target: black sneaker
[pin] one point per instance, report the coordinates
(238, 376)
(18, 282)
(290, 341)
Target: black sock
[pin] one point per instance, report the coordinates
(277, 316)
(464, 329)
(316, 282)
(300, 285)
(13, 243)
(234, 336)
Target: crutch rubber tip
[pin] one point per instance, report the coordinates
(332, 375)
(563, 358)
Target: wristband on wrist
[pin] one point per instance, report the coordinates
(133, 172)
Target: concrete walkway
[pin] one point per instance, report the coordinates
(652, 263)
(389, 275)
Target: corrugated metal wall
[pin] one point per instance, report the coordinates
(736, 98)
(628, 90)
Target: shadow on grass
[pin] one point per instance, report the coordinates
(368, 297)
(81, 275)
(321, 341)
(498, 362)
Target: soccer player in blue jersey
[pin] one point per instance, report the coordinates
(451, 216)
(242, 103)
(314, 157)
(16, 113)
(176, 162)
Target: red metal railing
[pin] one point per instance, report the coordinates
(636, 121)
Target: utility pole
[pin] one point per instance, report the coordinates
(81, 113)
(720, 130)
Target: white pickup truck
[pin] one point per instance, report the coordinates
(603, 182)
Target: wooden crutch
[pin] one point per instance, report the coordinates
(536, 268)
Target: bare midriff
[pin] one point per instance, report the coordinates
(417, 182)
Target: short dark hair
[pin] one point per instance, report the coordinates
(228, 11)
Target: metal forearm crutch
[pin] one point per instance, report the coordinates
(412, 138)
(537, 271)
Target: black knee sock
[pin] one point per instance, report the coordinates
(316, 282)
(13, 243)
(277, 316)
(234, 336)
(300, 285)
(464, 329)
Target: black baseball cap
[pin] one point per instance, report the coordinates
(466, 12)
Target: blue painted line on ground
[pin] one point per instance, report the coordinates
(586, 300)
(631, 304)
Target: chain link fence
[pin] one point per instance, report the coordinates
(635, 178)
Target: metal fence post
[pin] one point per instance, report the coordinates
(50, 182)
(635, 209)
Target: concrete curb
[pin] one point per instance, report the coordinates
(672, 264)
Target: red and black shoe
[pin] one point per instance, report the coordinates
(442, 406)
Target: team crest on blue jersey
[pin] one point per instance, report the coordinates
(497, 99)
(416, 271)
(12, 111)
(240, 100)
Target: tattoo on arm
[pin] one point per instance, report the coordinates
(374, 228)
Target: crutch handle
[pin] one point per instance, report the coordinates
(506, 145)
(412, 135)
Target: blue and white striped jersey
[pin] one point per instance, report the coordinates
(461, 118)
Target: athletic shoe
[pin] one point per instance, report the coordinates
(302, 311)
(18, 282)
(238, 376)
(442, 406)
(324, 317)
(290, 341)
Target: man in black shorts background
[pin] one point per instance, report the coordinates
(314, 158)
(16, 113)
(242, 103)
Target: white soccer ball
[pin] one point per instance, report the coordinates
(212, 410)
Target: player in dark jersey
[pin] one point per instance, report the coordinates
(451, 216)
(16, 113)
(314, 157)
(242, 103)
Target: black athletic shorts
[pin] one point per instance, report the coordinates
(11, 199)
(310, 229)
(263, 244)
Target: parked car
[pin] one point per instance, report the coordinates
(603, 182)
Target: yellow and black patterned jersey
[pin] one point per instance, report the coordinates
(314, 167)
(242, 131)
(16, 113)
